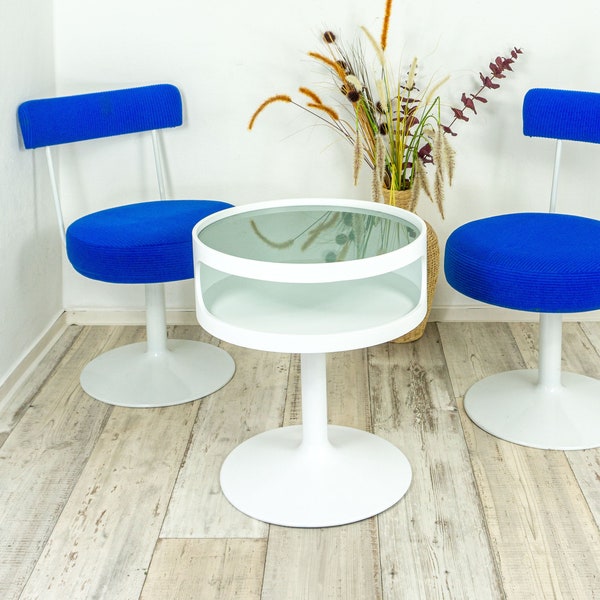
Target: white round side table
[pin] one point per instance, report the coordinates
(311, 276)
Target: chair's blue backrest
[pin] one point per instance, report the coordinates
(51, 121)
(562, 115)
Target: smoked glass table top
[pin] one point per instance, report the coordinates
(308, 234)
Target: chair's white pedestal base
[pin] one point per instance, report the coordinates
(130, 376)
(274, 478)
(511, 406)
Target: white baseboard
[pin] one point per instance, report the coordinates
(438, 313)
(126, 317)
(496, 314)
(31, 358)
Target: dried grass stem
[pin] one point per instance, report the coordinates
(276, 98)
(386, 24)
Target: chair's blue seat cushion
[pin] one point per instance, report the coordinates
(540, 262)
(149, 242)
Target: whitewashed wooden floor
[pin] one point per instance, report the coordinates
(100, 502)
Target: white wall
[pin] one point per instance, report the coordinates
(30, 294)
(229, 56)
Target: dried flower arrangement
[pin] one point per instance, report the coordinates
(395, 127)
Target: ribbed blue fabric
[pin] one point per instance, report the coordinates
(149, 242)
(51, 121)
(562, 115)
(540, 262)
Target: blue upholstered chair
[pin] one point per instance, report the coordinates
(146, 243)
(548, 263)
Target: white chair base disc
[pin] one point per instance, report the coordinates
(130, 376)
(511, 406)
(271, 477)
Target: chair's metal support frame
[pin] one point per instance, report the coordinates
(55, 194)
(550, 330)
(156, 310)
(554, 189)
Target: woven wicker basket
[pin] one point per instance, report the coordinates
(404, 199)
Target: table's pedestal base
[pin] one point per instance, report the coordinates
(276, 478)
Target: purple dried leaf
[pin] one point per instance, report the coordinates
(425, 154)
(459, 114)
(496, 70)
(447, 129)
(468, 102)
(487, 82)
(411, 121)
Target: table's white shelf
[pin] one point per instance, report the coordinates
(310, 317)
(264, 296)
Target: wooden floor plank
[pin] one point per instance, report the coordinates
(252, 402)
(349, 402)
(206, 569)
(433, 543)
(16, 402)
(42, 459)
(85, 488)
(586, 465)
(545, 539)
(335, 563)
(581, 354)
(102, 544)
